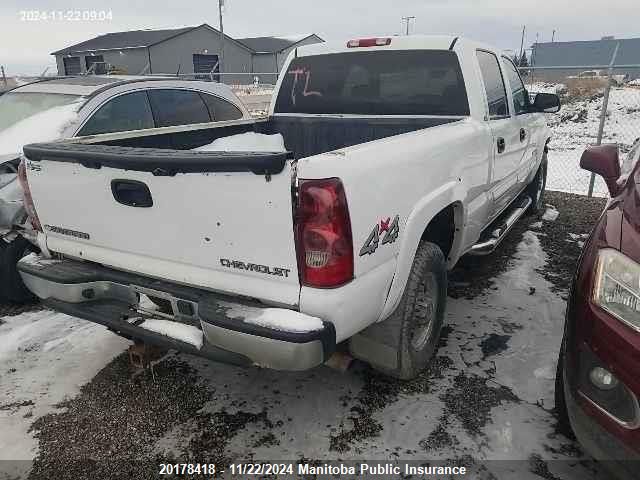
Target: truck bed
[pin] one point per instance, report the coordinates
(304, 136)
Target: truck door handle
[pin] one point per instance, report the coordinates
(131, 193)
(523, 134)
(502, 145)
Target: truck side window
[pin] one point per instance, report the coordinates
(220, 109)
(126, 112)
(493, 84)
(178, 107)
(519, 93)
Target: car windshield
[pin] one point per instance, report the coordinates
(16, 106)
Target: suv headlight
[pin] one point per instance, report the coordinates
(617, 287)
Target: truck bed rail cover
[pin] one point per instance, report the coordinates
(161, 162)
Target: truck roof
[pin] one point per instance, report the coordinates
(397, 42)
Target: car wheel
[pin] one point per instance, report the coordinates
(535, 190)
(419, 316)
(562, 414)
(11, 286)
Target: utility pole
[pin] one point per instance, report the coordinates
(221, 59)
(407, 20)
(4, 77)
(553, 36)
(524, 28)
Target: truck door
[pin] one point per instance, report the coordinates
(507, 148)
(526, 121)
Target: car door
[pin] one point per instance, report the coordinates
(507, 148)
(526, 121)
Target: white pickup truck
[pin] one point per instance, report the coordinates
(402, 155)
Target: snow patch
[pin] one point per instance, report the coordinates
(536, 225)
(246, 142)
(550, 214)
(179, 331)
(547, 372)
(45, 358)
(36, 259)
(45, 126)
(279, 319)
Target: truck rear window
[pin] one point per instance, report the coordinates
(400, 82)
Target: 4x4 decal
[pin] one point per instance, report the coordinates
(388, 228)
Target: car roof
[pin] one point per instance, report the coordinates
(91, 85)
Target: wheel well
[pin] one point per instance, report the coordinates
(442, 229)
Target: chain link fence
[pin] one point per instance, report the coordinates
(599, 105)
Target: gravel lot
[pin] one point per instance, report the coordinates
(73, 404)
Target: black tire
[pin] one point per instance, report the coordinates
(536, 188)
(419, 316)
(562, 413)
(12, 288)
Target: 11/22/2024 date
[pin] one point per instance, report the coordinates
(206, 469)
(65, 15)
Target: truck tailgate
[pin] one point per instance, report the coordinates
(220, 221)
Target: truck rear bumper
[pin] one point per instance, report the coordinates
(228, 325)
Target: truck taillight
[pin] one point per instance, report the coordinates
(26, 194)
(368, 42)
(323, 234)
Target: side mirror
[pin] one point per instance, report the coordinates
(546, 103)
(603, 160)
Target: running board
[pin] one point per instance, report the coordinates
(487, 244)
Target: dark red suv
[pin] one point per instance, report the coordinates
(598, 380)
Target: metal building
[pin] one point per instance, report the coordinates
(185, 50)
(590, 53)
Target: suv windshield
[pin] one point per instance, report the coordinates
(16, 106)
(397, 82)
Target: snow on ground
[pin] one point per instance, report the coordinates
(41, 127)
(576, 127)
(246, 142)
(550, 214)
(501, 346)
(488, 394)
(44, 358)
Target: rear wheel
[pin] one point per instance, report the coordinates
(11, 286)
(417, 321)
(535, 190)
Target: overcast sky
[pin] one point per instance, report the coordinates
(25, 46)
